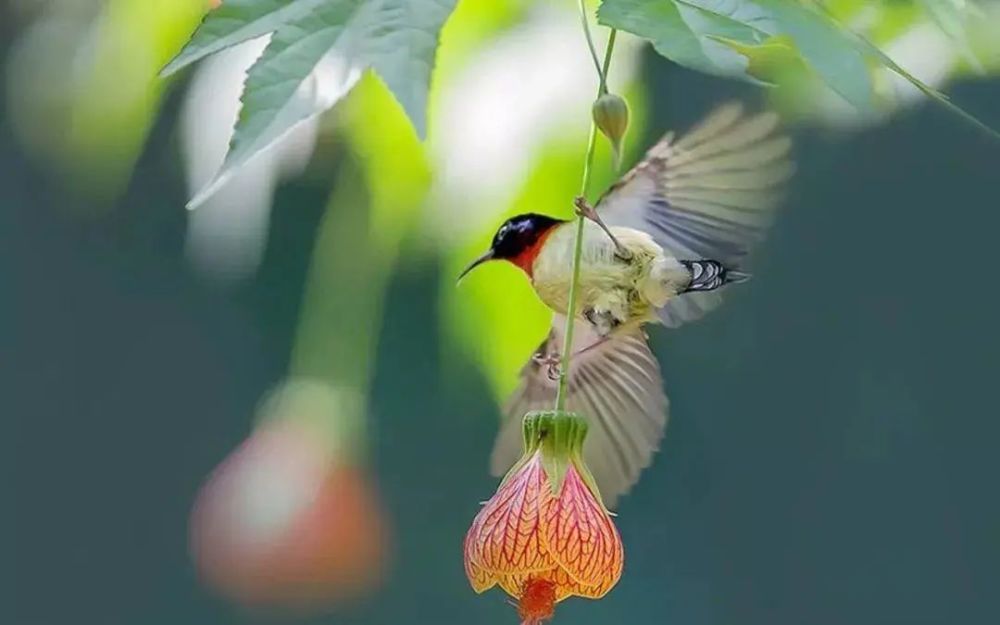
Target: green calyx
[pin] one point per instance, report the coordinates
(556, 433)
(558, 436)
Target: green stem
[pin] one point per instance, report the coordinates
(578, 245)
(607, 60)
(590, 41)
(341, 312)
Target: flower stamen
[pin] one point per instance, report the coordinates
(538, 601)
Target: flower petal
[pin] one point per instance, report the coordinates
(513, 584)
(567, 587)
(582, 539)
(505, 537)
(480, 579)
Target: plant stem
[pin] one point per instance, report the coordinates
(590, 41)
(588, 164)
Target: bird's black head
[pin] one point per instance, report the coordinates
(519, 234)
(515, 240)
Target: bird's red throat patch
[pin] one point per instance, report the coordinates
(526, 259)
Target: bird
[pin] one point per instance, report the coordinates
(659, 247)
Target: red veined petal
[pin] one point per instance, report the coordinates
(479, 578)
(581, 538)
(514, 583)
(506, 535)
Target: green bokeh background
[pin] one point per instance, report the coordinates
(831, 456)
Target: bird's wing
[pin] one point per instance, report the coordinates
(616, 386)
(710, 194)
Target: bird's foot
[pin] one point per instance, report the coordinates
(584, 209)
(552, 363)
(603, 321)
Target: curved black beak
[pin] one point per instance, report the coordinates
(479, 261)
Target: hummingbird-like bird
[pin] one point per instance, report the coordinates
(659, 247)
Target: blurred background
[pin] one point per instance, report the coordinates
(831, 451)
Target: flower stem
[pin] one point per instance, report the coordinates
(578, 245)
(590, 42)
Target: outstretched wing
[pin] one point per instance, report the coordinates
(616, 386)
(709, 195)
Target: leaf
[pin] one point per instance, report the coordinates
(828, 48)
(678, 29)
(874, 52)
(683, 34)
(691, 32)
(774, 61)
(317, 52)
(283, 89)
(400, 42)
(234, 22)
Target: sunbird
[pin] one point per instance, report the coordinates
(658, 247)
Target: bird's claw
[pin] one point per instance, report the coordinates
(585, 210)
(603, 322)
(551, 363)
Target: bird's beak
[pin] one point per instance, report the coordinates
(479, 261)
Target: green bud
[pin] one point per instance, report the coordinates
(610, 114)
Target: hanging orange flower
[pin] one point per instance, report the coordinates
(545, 535)
(291, 519)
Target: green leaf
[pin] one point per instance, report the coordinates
(400, 40)
(679, 30)
(281, 90)
(875, 53)
(684, 34)
(775, 61)
(234, 22)
(317, 52)
(828, 48)
(692, 32)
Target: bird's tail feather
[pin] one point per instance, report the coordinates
(708, 275)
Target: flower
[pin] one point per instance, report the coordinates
(545, 535)
(289, 520)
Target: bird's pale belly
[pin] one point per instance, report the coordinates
(608, 283)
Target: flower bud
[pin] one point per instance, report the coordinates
(610, 113)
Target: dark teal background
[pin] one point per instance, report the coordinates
(831, 458)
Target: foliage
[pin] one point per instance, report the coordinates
(764, 41)
(398, 38)
(719, 37)
(736, 37)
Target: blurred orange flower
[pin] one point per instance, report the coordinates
(545, 535)
(287, 520)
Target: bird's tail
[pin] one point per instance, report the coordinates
(708, 275)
